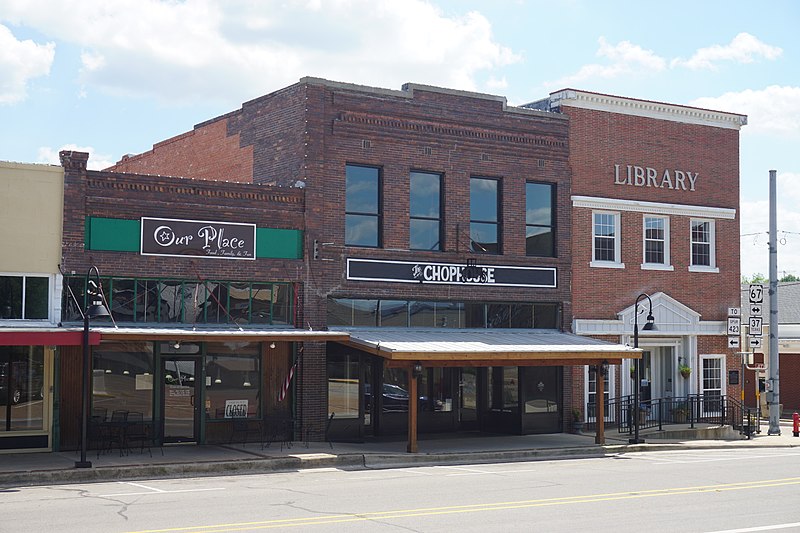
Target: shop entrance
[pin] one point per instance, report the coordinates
(181, 412)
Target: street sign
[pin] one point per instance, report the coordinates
(755, 342)
(756, 326)
(755, 309)
(756, 294)
(734, 325)
(734, 311)
(733, 342)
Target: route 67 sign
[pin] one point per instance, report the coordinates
(756, 294)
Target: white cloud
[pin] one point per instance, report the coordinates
(623, 58)
(96, 161)
(744, 48)
(21, 61)
(774, 110)
(755, 230)
(238, 49)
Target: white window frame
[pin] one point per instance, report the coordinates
(722, 376)
(666, 265)
(617, 263)
(712, 235)
(50, 297)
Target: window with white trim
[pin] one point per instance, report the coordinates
(606, 240)
(656, 243)
(24, 297)
(703, 256)
(591, 392)
(713, 370)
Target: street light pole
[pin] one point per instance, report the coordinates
(94, 309)
(650, 325)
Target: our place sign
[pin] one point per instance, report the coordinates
(198, 238)
(469, 273)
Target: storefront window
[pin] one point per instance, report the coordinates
(122, 379)
(21, 388)
(343, 386)
(503, 388)
(233, 377)
(394, 394)
(24, 297)
(435, 389)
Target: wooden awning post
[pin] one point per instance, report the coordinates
(600, 404)
(413, 403)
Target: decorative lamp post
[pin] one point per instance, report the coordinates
(94, 309)
(649, 326)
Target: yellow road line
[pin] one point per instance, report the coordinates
(473, 508)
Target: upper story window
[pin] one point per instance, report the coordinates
(362, 206)
(484, 218)
(539, 220)
(656, 243)
(24, 297)
(425, 209)
(606, 247)
(703, 254)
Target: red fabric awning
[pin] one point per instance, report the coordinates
(46, 338)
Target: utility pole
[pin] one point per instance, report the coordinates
(773, 396)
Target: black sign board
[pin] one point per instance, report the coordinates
(200, 238)
(469, 273)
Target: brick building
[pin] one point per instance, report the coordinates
(432, 216)
(655, 227)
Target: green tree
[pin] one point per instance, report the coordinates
(789, 277)
(757, 278)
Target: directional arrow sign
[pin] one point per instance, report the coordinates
(755, 309)
(733, 342)
(755, 342)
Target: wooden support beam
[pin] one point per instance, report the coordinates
(413, 405)
(600, 405)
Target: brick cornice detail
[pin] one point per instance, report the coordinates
(438, 128)
(193, 190)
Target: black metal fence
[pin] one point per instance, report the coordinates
(621, 413)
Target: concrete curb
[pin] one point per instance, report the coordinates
(375, 461)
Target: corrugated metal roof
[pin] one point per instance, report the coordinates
(430, 344)
(207, 334)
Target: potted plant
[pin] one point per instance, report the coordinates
(685, 370)
(680, 413)
(577, 421)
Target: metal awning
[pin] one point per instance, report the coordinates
(45, 336)
(218, 334)
(486, 347)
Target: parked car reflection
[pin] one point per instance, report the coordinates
(26, 381)
(394, 398)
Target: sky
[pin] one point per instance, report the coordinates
(113, 77)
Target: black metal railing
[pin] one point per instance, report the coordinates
(621, 412)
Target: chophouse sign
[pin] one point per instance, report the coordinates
(450, 273)
(201, 238)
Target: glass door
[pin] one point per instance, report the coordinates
(468, 401)
(181, 399)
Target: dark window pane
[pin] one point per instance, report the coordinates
(261, 312)
(36, 298)
(394, 313)
(361, 190)
(425, 198)
(123, 299)
(498, 315)
(235, 374)
(217, 303)
(171, 304)
(539, 241)
(545, 316)
(483, 200)
(450, 315)
(484, 238)
(240, 302)
(146, 301)
(424, 234)
(123, 373)
(422, 314)
(361, 230)
(604, 249)
(282, 304)
(340, 312)
(11, 297)
(73, 299)
(194, 301)
(521, 316)
(365, 312)
(538, 204)
(475, 315)
(654, 252)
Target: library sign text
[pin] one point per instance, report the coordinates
(682, 180)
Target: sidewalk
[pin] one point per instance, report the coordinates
(20, 469)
